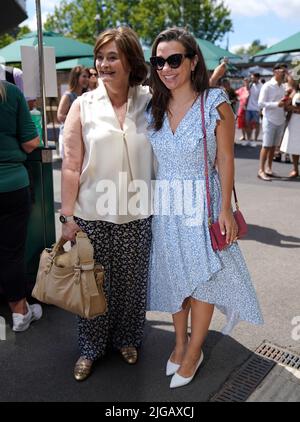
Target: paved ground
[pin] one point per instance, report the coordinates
(37, 365)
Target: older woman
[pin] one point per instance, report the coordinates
(107, 159)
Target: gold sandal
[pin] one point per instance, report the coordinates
(82, 369)
(129, 354)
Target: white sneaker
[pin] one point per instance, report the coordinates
(244, 143)
(253, 144)
(22, 322)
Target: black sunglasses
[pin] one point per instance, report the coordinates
(174, 61)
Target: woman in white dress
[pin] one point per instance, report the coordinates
(291, 140)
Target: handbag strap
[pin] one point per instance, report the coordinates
(85, 251)
(208, 197)
(57, 246)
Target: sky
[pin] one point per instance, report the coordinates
(270, 21)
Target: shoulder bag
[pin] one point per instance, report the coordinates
(218, 240)
(71, 280)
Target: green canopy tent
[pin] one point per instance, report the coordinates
(286, 51)
(211, 52)
(69, 64)
(65, 48)
(288, 45)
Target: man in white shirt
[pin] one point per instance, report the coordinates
(271, 100)
(252, 109)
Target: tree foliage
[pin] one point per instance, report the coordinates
(208, 19)
(13, 35)
(6, 39)
(254, 48)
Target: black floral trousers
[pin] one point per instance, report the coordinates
(124, 251)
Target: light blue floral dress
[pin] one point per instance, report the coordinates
(183, 262)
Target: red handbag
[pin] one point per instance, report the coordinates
(218, 240)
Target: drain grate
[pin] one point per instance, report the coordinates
(245, 381)
(279, 355)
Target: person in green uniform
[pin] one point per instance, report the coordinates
(18, 137)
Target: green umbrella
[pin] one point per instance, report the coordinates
(65, 48)
(211, 52)
(69, 64)
(287, 45)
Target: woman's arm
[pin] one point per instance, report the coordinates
(71, 168)
(225, 160)
(26, 131)
(217, 74)
(31, 145)
(63, 108)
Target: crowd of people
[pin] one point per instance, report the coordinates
(112, 125)
(271, 107)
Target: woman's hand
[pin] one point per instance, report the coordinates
(228, 226)
(69, 230)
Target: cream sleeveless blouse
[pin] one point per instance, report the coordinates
(115, 180)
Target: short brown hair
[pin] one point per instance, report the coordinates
(128, 44)
(74, 76)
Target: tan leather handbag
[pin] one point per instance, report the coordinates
(71, 280)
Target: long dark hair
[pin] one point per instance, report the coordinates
(160, 93)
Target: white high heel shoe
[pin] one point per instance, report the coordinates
(179, 381)
(171, 368)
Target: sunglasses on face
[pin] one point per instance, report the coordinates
(174, 61)
(93, 74)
